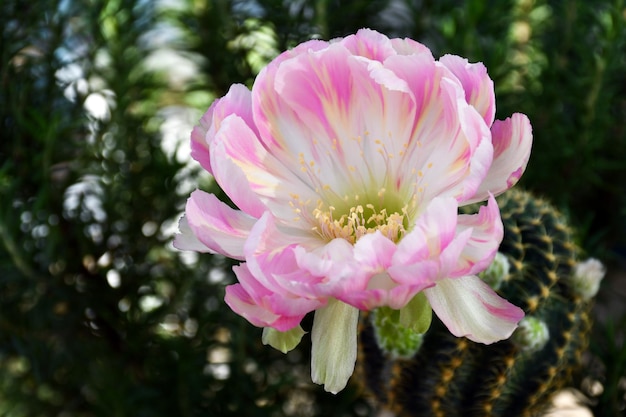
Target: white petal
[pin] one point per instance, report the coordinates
(469, 307)
(334, 345)
(187, 240)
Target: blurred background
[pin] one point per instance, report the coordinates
(100, 316)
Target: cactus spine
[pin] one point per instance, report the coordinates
(451, 376)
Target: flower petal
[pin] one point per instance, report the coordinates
(263, 307)
(220, 228)
(241, 303)
(449, 146)
(486, 234)
(469, 307)
(270, 253)
(236, 101)
(230, 176)
(343, 114)
(408, 46)
(187, 240)
(281, 302)
(434, 230)
(333, 345)
(367, 284)
(271, 182)
(512, 140)
(369, 44)
(324, 272)
(478, 87)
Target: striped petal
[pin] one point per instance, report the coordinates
(434, 230)
(271, 182)
(369, 44)
(187, 240)
(220, 228)
(282, 310)
(470, 308)
(237, 101)
(486, 234)
(338, 122)
(512, 140)
(478, 87)
(258, 314)
(450, 145)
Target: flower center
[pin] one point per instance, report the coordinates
(359, 220)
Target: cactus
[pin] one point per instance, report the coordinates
(450, 376)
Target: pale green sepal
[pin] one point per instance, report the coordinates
(417, 314)
(400, 332)
(283, 341)
(497, 272)
(334, 345)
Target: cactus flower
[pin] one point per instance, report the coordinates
(348, 161)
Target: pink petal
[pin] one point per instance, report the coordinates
(435, 228)
(478, 86)
(324, 272)
(236, 101)
(470, 308)
(241, 303)
(220, 228)
(408, 46)
(323, 261)
(264, 90)
(449, 146)
(268, 183)
(187, 240)
(374, 251)
(281, 303)
(229, 176)
(369, 44)
(270, 255)
(355, 274)
(486, 234)
(345, 115)
(368, 284)
(512, 140)
(438, 247)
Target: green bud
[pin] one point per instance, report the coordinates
(531, 335)
(400, 332)
(497, 272)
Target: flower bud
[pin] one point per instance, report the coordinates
(531, 335)
(586, 278)
(400, 332)
(497, 272)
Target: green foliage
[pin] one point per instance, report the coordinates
(99, 316)
(452, 376)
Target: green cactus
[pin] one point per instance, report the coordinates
(450, 376)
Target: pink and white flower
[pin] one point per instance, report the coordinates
(348, 161)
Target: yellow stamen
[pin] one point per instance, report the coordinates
(359, 221)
